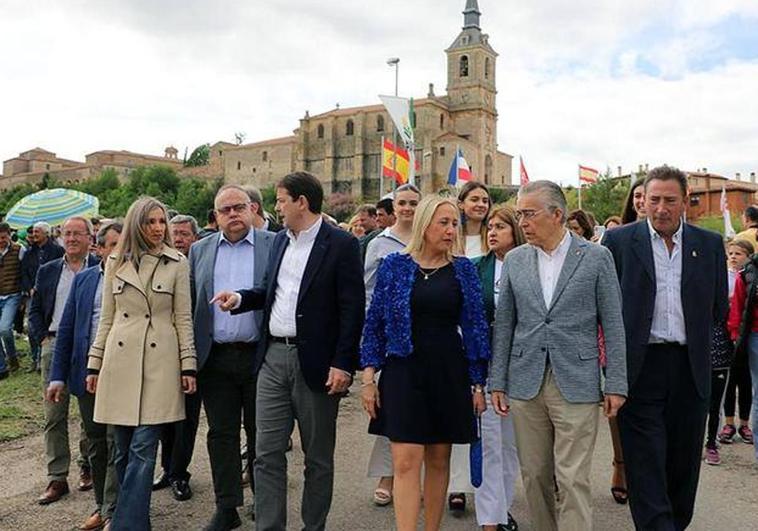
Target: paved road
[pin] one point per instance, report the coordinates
(728, 494)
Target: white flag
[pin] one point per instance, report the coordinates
(400, 110)
(729, 231)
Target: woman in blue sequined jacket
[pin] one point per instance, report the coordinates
(426, 331)
(387, 331)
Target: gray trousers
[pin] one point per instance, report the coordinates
(282, 398)
(57, 448)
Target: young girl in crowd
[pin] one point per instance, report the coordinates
(739, 387)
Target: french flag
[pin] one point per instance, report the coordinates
(459, 170)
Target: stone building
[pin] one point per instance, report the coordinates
(31, 166)
(343, 146)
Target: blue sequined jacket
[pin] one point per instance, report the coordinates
(387, 331)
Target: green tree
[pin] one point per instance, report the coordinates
(13, 195)
(160, 182)
(605, 198)
(201, 156)
(195, 197)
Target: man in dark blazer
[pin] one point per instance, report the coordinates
(68, 372)
(674, 285)
(313, 318)
(237, 257)
(42, 249)
(53, 284)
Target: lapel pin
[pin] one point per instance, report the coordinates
(694, 254)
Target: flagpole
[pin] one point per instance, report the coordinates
(381, 168)
(579, 174)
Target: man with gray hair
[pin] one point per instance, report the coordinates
(554, 294)
(184, 231)
(42, 249)
(51, 289)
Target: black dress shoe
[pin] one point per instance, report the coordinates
(224, 520)
(181, 490)
(510, 526)
(162, 482)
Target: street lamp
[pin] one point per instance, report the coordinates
(392, 61)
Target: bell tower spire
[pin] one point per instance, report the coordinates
(471, 15)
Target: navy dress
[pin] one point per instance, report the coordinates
(426, 397)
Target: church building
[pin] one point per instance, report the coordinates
(342, 147)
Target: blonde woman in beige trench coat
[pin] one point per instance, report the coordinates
(143, 358)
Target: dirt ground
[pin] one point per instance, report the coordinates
(728, 496)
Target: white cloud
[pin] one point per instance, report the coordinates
(574, 78)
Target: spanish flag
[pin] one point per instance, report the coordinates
(401, 167)
(588, 175)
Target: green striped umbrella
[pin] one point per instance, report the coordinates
(53, 206)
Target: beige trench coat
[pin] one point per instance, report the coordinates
(143, 342)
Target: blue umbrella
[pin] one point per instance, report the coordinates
(53, 206)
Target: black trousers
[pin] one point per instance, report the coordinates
(227, 386)
(739, 382)
(178, 440)
(719, 381)
(662, 426)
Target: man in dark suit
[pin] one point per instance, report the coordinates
(674, 286)
(313, 317)
(54, 281)
(77, 331)
(235, 258)
(42, 249)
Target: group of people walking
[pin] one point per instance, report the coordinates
(487, 337)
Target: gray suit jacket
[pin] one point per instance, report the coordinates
(587, 294)
(202, 262)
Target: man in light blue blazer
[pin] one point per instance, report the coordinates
(235, 258)
(555, 293)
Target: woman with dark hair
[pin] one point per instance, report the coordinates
(143, 358)
(579, 222)
(612, 222)
(634, 206)
(474, 205)
(634, 210)
(500, 466)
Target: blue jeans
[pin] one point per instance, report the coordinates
(752, 352)
(136, 448)
(8, 307)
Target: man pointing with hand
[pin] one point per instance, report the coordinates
(313, 318)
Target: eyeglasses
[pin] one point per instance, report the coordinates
(239, 208)
(527, 214)
(74, 233)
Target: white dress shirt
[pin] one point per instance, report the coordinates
(282, 322)
(549, 264)
(668, 315)
(498, 274)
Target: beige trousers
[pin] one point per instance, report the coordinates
(555, 440)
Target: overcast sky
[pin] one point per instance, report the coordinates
(603, 83)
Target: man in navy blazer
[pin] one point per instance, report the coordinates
(313, 317)
(674, 287)
(76, 333)
(51, 289)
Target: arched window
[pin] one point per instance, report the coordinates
(442, 121)
(380, 123)
(349, 128)
(464, 66)
(320, 131)
(239, 165)
(486, 68)
(265, 156)
(487, 169)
